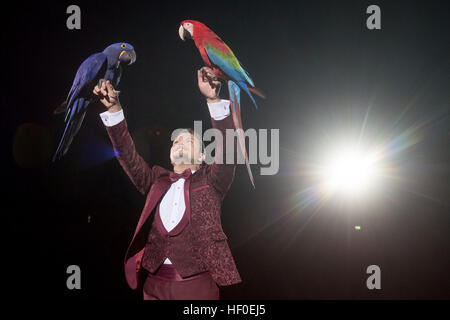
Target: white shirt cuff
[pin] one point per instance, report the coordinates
(219, 110)
(112, 118)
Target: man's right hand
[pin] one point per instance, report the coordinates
(108, 96)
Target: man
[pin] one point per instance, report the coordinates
(182, 253)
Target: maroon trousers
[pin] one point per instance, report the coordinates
(167, 284)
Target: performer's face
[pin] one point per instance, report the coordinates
(184, 150)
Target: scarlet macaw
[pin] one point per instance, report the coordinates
(219, 57)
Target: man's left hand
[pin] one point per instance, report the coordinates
(209, 85)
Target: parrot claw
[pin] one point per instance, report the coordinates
(208, 73)
(100, 83)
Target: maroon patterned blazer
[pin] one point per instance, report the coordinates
(198, 243)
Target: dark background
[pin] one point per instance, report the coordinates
(323, 72)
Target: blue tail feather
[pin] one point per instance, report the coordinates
(73, 124)
(244, 87)
(235, 92)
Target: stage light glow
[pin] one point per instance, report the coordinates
(349, 171)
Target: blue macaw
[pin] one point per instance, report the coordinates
(99, 67)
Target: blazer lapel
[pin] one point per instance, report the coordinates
(156, 192)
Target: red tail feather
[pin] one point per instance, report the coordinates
(258, 92)
(238, 124)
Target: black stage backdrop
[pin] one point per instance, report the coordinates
(325, 76)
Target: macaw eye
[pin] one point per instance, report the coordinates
(123, 45)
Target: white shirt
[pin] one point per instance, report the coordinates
(172, 205)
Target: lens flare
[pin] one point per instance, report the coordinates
(349, 171)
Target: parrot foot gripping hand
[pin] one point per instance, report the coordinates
(208, 74)
(100, 83)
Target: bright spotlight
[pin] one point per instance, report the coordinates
(349, 171)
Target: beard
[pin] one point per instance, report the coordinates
(181, 155)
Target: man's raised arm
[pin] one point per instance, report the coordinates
(133, 164)
(220, 175)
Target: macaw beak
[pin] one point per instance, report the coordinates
(127, 57)
(184, 34)
(181, 33)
